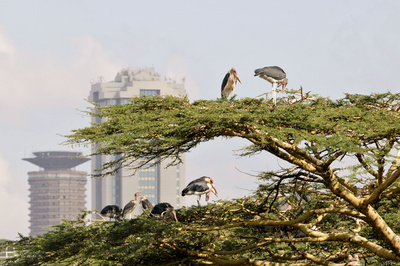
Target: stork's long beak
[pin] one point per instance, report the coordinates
(214, 190)
(284, 83)
(237, 77)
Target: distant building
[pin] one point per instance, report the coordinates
(157, 183)
(57, 191)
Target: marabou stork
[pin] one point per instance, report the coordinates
(275, 75)
(131, 205)
(200, 186)
(162, 209)
(112, 211)
(145, 204)
(229, 83)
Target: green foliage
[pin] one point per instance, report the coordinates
(228, 231)
(342, 179)
(150, 128)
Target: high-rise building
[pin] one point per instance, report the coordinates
(57, 190)
(157, 183)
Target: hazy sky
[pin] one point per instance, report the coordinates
(50, 50)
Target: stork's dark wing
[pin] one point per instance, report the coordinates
(129, 207)
(146, 204)
(271, 71)
(161, 207)
(111, 209)
(195, 188)
(200, 179)
(224, 82)
(106, 209)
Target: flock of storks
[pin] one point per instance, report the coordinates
(200, 186)
(203, 185)
(273, 74)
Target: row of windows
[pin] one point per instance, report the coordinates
(53, 216)
(145, 183)
(57, 210)
(148, 174)
(105, 102)
(55, 197)
(59, 203)
(57, 184)
(43, 223)
(66, 176)
(149, 92)
(57, 191)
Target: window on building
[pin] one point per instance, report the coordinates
(149, 92)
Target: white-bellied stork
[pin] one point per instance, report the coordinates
(145, 204)
(275, 75)
(229, 83)
(130, 206)
(112, 211)
(200, 186)
(162, 209)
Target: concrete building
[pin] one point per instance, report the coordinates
(57, 191)
(157, 183)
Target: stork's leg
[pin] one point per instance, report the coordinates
(274, 87)
(198, 200)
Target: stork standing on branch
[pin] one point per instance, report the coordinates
(229, 83)
(200, 186)
(131, 205)
(275, 75)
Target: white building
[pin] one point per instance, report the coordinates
(157, 183)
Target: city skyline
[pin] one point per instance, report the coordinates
(327, 47)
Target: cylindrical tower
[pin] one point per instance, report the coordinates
(57, 191)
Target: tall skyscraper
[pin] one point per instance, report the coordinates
(57, 191)
(157, 183)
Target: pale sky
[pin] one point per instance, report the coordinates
(50, 50)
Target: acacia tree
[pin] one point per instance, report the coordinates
(341, 189)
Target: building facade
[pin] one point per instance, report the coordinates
(157, 183)
(57, 191)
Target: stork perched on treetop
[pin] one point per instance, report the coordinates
(200, 186)
(229, 83)
(275, 75)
